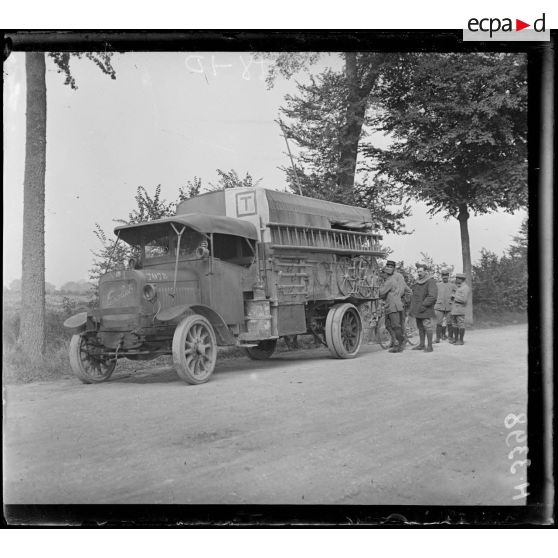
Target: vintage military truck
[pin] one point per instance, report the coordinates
(242, 266)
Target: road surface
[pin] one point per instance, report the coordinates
(301, 428)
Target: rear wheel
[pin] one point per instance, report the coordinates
(194, 349)
(263, 351)
(343, 331)
(88, 367)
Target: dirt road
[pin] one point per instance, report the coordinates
(410, 428)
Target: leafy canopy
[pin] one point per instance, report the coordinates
(458, 130)
(325, 119)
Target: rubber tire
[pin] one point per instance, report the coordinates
(263, 351)
(333, 330)
(178, 344)
(77, 363)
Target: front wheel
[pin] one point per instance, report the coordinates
(263, 350)
(88, 367)
(194, 349)
(343, 331)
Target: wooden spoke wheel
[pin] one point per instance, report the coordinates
(364, 272)
(194, 349)
(343, 331)
(344, 272)
(263, 351)
(86, 365)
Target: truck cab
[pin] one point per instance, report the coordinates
(242, 266)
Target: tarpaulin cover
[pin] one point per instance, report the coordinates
(196, 221)
(300, 210)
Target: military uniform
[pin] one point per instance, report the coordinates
(442, 308)
(425, 294)
(460, 299)
(392, 292)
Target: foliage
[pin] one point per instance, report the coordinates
(57, 308)
(410, 271)
(103, 60)
(232, 180)
(287, 64)
(192, 189)
(148, 207)
(15, 285)
(458, 130)
(326, 120)
(111, 256)
(500, 283)
(75, 287)
(458, 125)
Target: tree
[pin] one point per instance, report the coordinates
(458, 125)
(49, 288)
(114, 254)
(326, 119)
(32, 329)
(232, 180)
(15, 286)
(500, 283)
(33, 257)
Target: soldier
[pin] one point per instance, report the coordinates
(392, 291)
(443, 306)
(425, 294)
(459, 299)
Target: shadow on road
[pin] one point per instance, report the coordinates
(225, 370)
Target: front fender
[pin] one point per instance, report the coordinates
(222, 332)
(76, 323)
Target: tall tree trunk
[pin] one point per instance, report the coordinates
(463, 218)
(350, 135)
(32, 331)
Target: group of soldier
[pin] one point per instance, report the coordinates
(430, 302)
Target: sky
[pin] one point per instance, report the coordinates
(167, 118)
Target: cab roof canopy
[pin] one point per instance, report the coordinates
(283, 207)
(201, 223)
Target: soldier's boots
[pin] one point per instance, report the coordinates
(452, 331)
(444, 336)
(420, 346)
(461, 333)
(428, 348)
(398, 333)
(438, 333)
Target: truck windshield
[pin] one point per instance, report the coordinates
(188, 243)
(156, 246)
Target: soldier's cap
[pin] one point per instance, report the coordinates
(460, 276)
(390, 263)
(445, 272)
(423, 265)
